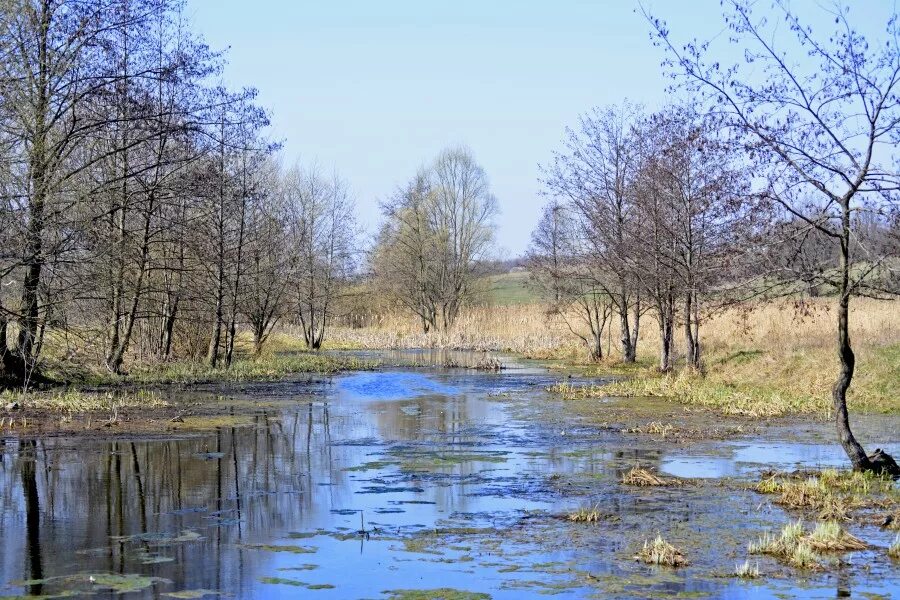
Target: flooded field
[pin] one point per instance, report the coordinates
(376, 484)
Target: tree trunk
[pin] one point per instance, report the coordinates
(595, 348)
(635, 333)
(847, 359)
(628, 354)
(665, 346)
(691, 350)
(854, 450)
(879, 461)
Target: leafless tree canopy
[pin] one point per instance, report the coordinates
(142, 212)
(821, 137)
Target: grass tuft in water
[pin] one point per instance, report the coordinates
(746, 570)
(791, 547)
(435, 594)
(661, 552)
(585, 515)
(831, 537)
(894, 548)
(831, 494)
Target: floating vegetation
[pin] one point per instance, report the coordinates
(375, 465)
(661, 552)
(585, 515)
(746, 570)
(435, 594)
(82, 582)
(280, 548)
(160, 539)
(282, 581)
(303, 567)
(655, 428)
(644, 478)
(190, 594)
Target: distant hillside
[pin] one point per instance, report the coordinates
(510, 288)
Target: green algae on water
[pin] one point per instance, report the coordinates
(435, 594)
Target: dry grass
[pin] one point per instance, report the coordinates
(655, 428)
(831, 495)
(661, 552)
(801, 549)
(644, 478)
(75, 401)
(790, 547)
(894, 548)
(829, 536)
(523, 329)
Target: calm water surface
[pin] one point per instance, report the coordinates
(397, 479)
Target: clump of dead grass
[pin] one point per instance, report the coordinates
(829, 536)
(790, 547)
(655, 428)
(77, 401)
(661, 552)
(802, 549)
(831, 494)
(645, 478)
(894, 548)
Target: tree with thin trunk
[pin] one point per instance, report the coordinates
(823, 135)
(561, 270)
(595, 173)
(437, 231)
(321, 241)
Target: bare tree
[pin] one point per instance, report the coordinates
(560, 268)
(823, 134)
(596, 174)
(436, 232)
(321, 238)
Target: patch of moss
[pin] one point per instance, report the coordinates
(280, 548)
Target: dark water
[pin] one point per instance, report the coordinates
(398, 479)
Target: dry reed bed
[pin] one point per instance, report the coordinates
(778, 327)
(762, 360)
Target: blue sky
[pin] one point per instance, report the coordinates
(374, 89)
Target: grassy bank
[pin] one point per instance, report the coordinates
(90, 390)
(263, 368)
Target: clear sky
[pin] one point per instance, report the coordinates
(376, 88)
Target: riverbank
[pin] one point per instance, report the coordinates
(760, 360)
(144, 400)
